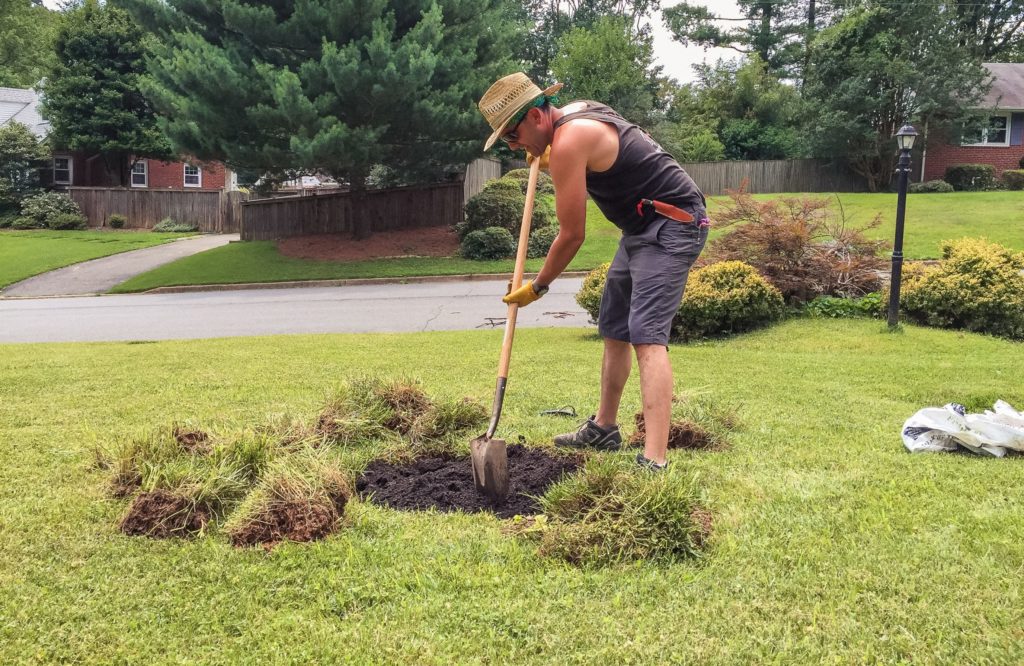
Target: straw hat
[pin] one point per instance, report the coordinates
(507, 97)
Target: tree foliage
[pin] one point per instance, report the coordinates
(882, 66)
(605, 63)
(991, 31)
(91, 95)
(27, 31)
(327, 86)
(21, 157)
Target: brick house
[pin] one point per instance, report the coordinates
(76, 169)
(998, 136)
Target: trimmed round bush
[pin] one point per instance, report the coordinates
(930, 187)
(68, 222)
(1014, 179)
(488, 243)
(589, 295)
(522, 178)
(978, 286)
(45, 206)
(541, 240)
(117, 221)
(500, 204)
(971, 177)
(725, 298)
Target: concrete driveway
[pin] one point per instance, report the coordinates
(100, 275)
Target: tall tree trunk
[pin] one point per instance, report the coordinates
(808, 38)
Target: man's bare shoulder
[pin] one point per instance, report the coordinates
(592, 140)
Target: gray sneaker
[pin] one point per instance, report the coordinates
(592, 436)
(650, 465)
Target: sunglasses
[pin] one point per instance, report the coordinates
(512, 135)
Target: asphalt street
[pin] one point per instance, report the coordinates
(399, 308)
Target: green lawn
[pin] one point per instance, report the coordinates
(930, 219)
(27, 253)
(831, 544)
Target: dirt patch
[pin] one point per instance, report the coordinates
(193, 441)
(704, 520)
(446, 483)
(682, 434)
(293, 520)
(419, 242)
(161, 514)
(407, 404)
(123, 485)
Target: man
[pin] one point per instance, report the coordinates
(590, 149)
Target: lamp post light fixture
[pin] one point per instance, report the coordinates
(905, 139)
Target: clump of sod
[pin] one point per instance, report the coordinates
(300, 498)
(696, 423)
(192, 440)
(180, 496)
(368, 408)
(612, 512)
(130, 458)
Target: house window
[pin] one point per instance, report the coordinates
(987, 131)
(61, 170)
(140, 174)
(193, 176)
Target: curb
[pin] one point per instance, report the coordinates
(352, 282)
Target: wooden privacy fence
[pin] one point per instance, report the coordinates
(398, 208)
(478, 173)
(766, 176)
(215, 211)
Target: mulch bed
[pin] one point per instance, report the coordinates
(419, 242)
(446, 483)
(161, 514)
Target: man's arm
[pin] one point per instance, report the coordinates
(568, 168)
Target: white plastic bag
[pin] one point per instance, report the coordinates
(950, 428)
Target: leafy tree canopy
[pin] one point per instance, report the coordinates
(91, 95)
(27, 31)
(22, 154)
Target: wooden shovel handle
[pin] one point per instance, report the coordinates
(517, 275)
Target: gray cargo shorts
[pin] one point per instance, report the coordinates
(646, 280)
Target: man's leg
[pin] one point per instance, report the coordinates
(615, 369)
(656, 385)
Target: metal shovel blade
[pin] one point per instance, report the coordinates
(489, 458)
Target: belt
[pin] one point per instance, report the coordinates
(668, 210)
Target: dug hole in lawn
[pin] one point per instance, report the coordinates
(386, 442)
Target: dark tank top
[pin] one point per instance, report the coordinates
(642, 170)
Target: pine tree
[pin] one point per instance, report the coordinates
(327, 86)
(91, 96)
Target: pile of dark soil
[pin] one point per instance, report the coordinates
(446, 483)
(161, 514)
(682, 434)
(193, 441)
(293, 520)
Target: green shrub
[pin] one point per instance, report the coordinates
(44, 207)
(117, 221)
(541, 240)
(1014, 179)
(870, 305)
(978, 286)
(930, 187)
(488, 243)
(26, 223)
(725, 298)
(7, 218)
(521, 177)
(500, 204)
(589, 295)
(971, 177)
(167, 225)
(68, 222)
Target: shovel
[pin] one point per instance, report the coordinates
(489, 456)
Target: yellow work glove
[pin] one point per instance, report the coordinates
(525, 295)
(543, 158)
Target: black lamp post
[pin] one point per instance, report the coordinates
(905, 138)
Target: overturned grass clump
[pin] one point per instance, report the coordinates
(696, 423)
(301, 498)
(610, 513)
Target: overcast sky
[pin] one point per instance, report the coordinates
(673, 56)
